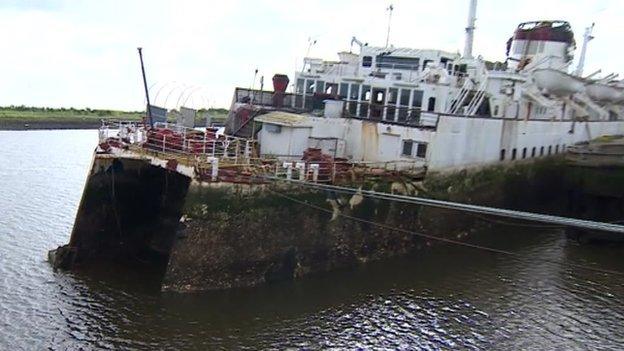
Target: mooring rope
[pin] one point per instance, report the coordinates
(446, 240)
(482, 210)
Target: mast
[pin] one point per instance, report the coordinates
(389, 9)
(149, 110)
(470, 28)
(587, 37)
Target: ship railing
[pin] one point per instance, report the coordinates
(131, 131)
(260, 97)
(331, 171)
(168, 139)
(391, 114)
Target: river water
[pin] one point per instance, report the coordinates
(444, 297)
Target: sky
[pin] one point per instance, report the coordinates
(82, 53)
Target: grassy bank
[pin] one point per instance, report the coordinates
(26, 117)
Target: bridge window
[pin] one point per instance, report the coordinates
(367, 61)
(394, 62)
(524, 152)
(513, 154)
(502, 155)
(533, 152)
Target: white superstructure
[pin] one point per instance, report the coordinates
(439, 108)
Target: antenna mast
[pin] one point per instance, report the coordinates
(470, 28)
(389, 9)
(587, 37)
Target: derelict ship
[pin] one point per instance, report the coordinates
(211, 211)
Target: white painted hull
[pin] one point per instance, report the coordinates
(605, 93)
(558, 82)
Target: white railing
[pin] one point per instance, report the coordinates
(173, 139)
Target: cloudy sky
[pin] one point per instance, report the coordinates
(82, 53)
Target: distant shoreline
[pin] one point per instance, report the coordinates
(48, 125)
(42, 118)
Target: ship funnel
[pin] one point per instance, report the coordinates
(280, 83)
(470, 28)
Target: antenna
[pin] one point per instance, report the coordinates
(470, 28)
(389, 9)
(311, 42)
(587, 37)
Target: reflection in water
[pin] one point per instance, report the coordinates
(442, 297)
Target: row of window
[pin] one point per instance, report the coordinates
(359, 93)
(534, 152)
(409, 63)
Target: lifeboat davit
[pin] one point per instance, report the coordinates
(558, 82)
(605, 93)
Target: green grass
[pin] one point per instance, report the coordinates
(28, 114)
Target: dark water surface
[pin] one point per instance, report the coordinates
(441, 298)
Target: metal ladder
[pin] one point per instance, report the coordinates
(477, 99)
(458, 101)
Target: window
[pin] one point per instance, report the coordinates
(421, 150)
(366, 93)
(273, 128)
(556, 149)
(405, 96)
(542, 151)
(411, 146)
(418, 99)
(425, 63)
(533, 151)
(355, 90)
(331, 89)
(344, 90)
(407, 148)
(392, 96)
(524, 153)
(379, 99)
(367, 61)
(309, 86)
(320, 86)
(496, 111)
(299, 89)
(394, 62)
(549, 149)
(513, 154)
(502, 155)
(431, 104)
